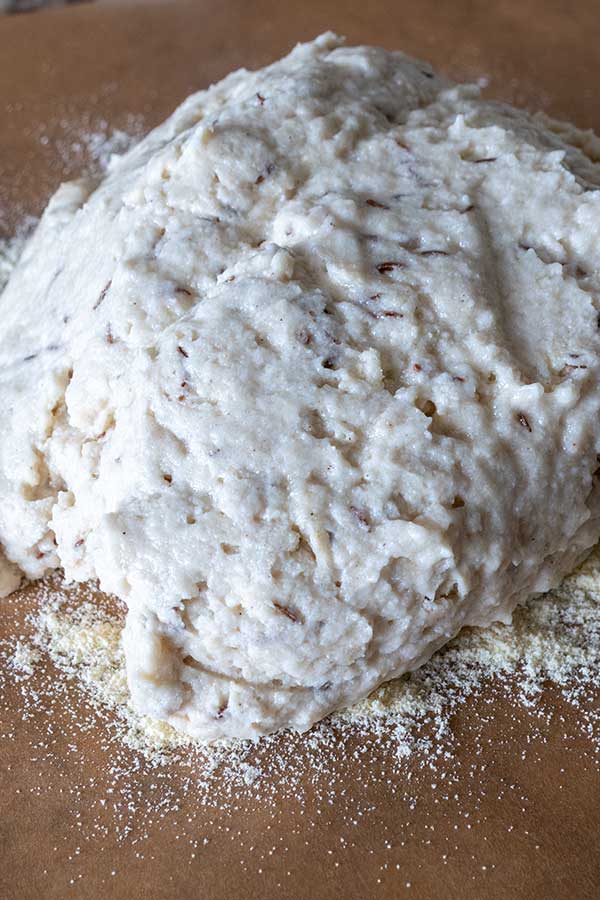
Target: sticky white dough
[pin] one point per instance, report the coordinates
(310, 380)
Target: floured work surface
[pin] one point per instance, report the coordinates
(498, 794)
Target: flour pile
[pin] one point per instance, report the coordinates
(554, 638)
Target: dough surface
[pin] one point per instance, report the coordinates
(310, 380)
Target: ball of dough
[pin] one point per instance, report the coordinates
(310, 380)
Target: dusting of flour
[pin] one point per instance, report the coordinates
(554, 637)
(90, 151)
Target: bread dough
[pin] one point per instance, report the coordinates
(310, 380)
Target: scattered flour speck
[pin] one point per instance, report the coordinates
(24, 658)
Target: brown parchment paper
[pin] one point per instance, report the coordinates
(520, 816)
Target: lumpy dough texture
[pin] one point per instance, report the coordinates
(310, 380)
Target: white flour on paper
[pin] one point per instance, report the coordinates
(89, 150)
(554, 638)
